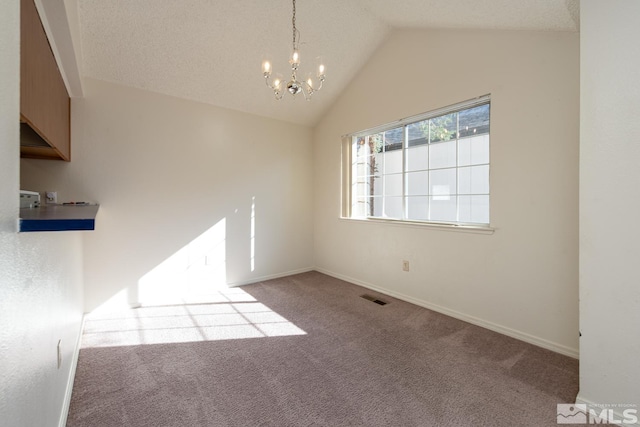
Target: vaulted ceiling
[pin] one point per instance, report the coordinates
(211, 50)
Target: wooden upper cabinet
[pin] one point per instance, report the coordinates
(44, 100)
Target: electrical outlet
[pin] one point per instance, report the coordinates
(51, 197)
(405, 265)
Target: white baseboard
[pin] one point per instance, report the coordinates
(72, 375)
(617, 414)
(522, 336)
(271, 276)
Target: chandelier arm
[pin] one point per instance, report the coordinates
(277, 93)
(267, 80)
(319, 86)
(306, 93)
(312, 89)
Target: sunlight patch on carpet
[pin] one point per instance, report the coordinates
(185, 323)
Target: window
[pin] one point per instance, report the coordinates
(433, 167)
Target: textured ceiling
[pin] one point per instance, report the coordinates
(211, 50)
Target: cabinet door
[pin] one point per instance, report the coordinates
(44, 101)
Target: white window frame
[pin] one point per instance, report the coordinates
(347, 173)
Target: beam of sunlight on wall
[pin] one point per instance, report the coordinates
(192, 274)
(237, 315)
(253, 233)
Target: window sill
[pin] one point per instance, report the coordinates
(475, 229)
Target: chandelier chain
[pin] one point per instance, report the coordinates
(293, 21)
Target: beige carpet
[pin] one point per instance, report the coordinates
(307, 350)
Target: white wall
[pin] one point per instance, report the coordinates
(609, 203)
(165, 171)
(40, 275)
(521, 280)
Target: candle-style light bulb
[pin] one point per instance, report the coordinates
(321, 70)
(295, 58)
(266, 68)
(278, 82)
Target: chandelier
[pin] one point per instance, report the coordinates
(294, 87)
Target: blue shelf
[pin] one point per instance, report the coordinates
(58, 218)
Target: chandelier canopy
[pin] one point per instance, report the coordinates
(293, 86)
